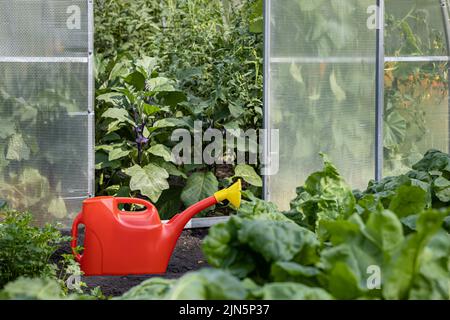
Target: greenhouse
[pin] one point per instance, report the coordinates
(225, 150)
(370, 91)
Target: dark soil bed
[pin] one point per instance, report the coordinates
(186, 257)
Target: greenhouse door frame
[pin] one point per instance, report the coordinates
(91, 101)
(381, 59)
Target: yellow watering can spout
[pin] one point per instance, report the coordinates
(232, 194)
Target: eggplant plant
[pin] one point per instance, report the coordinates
(137, 111)
(214, 51)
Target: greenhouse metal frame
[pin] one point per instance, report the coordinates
(379, 61)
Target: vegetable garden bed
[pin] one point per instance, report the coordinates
(186, 257)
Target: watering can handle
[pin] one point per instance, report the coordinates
(142, 202)
(73, 244)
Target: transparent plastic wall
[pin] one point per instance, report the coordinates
(46, 118)
(416, 108)
(320, 90)
(365, 82)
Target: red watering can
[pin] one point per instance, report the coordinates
(120, 243)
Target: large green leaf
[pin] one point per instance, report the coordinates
(296, 73)
(162, 151)
(170, 167)
(385, 229)
(212, 284)
(160, 84)
(172, 98)
(205, 284)
(151, 180)
(136, 79)
(236, 109)
(118, 153)
(146, 65)
(394, 130)
(7, 128)
(169, 203)
(249, 174)
(432, 282)
(405, 266)
(57, 208)
(17, 148)
(434, 160)
(173, 122)
(291, 271)
(292, 291)
(200, 185)
(222, 249)
(102, 161)
(150, 109)
(325, 196)
(346, 262)
(118, 114)
(114, 98)
(29, 182)
(33, 289)
(256, 20)
(150, 289)
(441, 187)
(337, 90)
(408, 200)
(120, 69)
(274, 240)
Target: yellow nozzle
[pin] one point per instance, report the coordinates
(232, 194)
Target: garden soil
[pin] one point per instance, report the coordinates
(186, 257)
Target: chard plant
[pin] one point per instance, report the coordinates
(390, 241)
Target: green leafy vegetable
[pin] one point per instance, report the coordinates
(382, 243)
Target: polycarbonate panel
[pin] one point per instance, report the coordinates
(414, 28)
(321, 87)
(416, 112)
(43, 28)
(46, 132)
(416, 115)
(321, 28)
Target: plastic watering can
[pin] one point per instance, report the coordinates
(120, 242)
